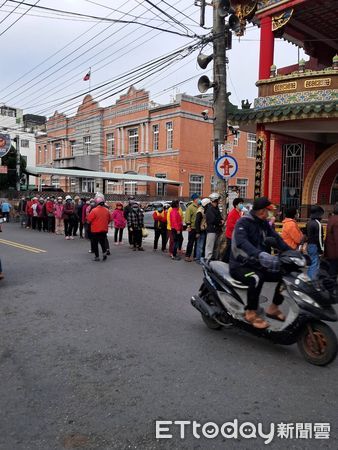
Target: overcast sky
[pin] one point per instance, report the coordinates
(44, 59)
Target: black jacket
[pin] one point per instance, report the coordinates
(248, 241)
(214, 219)
(315, 233)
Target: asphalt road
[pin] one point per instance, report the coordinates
(92, 354)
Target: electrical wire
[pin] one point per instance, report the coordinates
(19, 18)
(84, 53)
(104, 59)
(76, 14)
(168, 15)
(168, 4)
(1, 21)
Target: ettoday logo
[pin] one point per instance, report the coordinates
(168, 429)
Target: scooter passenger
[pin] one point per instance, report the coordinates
(252, 264)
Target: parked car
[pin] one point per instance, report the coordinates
(150, 208)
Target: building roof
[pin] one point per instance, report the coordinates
(35, 171)
(286, 112)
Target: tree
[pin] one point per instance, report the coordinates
(9, 180)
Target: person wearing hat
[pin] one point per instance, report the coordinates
(119, 223)
(58, 214)
(315, 242)
(126, 212)
(251, 262)
(190, 218)
(214, 224)
(201, 227)
(68, 214)
(135, 225)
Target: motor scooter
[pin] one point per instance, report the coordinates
(221, 301)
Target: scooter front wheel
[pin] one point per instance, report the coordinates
(318, 343)
(211, 323)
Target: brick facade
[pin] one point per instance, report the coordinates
(137, 136)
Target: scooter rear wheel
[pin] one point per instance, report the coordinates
(318, 343)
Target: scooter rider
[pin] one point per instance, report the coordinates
(248, 247)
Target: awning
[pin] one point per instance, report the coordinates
(36, 171)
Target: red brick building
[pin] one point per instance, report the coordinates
(135, 135)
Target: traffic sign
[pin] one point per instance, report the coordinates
(226, 167)
(5, 144)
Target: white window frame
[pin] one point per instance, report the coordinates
(130, 187)
(156, 137)
(196, 186)
(110, 139)
(252, 145)
(236, 139)
(88, 185)
(133, 140)
(243, 187)
(169, 126)
(161, 188)
(87, 142)
(57, 150)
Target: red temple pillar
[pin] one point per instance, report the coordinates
(266, 51)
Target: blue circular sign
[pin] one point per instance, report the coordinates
(226, 167)
(5, 144)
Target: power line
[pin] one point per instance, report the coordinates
(167, 15)
(172, 6)
(76, 14)
(11, 11)
(84, 53)
(96, 55)
(17, 20)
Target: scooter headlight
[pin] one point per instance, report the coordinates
(306, 298)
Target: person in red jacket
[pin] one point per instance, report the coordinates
(50, 203)
(99, 218)
(176, 228)
(234, 215)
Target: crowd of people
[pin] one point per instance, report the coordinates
(90, 219)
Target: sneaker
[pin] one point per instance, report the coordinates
(71, 237)
(188, 259)
(140, 249)
(116, 243)
(89, 251)
(96, 258)
(176, 258)
(108, 252)
(104, 256)
(67, 238)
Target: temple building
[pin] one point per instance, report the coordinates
(295, 115)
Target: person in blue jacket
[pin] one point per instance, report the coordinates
(251, 262)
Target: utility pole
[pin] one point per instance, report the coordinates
(220, 89)
(18, 165)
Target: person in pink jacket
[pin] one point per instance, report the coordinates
(119, 223)
(176, 228)
(58, 213)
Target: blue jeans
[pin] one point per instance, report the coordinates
(313, 270)
(200, 246)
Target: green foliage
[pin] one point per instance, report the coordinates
(9, 180)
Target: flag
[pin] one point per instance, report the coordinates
(87, 76)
